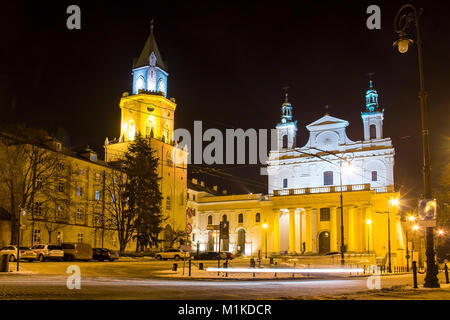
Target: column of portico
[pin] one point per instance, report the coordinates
(314, 230)
(308, 237)
(369, 230)
(300, 229)
(276, 231)
(333, 230)
(291, 230)
(351, 228)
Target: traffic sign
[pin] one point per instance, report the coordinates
(188, 228)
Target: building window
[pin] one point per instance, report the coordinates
(168, 203)
(38, 208)
(97, 219)
(39, 182)
(37, 236)
(224, 218)
(58, 146)
(61, 166)
(93, 157)
(193, 237)
(193, 197)
(59, 211)
(80, 191)
(373, 131)
(374, 176)
(328, 178)
(79, 214)
(258, 218)
(59, 237)
(285, 183)
(80, 172)
(80, 238)
(60, 187)
(324, 214)
(97, 195)
(113, 198)
(209, 219)
(240, 218)
(97, 177)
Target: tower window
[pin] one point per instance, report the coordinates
(285, 183)
(210, 219)
(373, 131)
(240, 218)
(328, 178)
(374, 176)
(258, 218)
(285, 141)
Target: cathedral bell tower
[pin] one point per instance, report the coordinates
(287, 129)
(372, 116)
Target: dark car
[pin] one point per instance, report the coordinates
(229, 255)
(211, 255)
(102, 254)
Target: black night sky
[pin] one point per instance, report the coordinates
(228, 62)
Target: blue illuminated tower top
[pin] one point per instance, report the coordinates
(286, 110)
(149, 70)
(372, 100)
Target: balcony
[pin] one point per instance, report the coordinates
(332, 189)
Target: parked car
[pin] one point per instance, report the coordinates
(103, 254)
(25, 253)
(211, 255)
(176, 254)
(77, 251)
(48, 252)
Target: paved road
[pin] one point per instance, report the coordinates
(136, 280)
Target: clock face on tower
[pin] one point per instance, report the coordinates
(327, 140)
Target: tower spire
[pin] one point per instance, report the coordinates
(286, 107)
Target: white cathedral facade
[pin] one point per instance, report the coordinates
(301, 212)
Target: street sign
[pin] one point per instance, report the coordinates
(427, 212)
(188, 228)
(212, 227)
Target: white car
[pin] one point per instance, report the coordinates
(48, 252)
(176, 254)
(25, 253)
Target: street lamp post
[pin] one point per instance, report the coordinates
(394, 202)
(265, 236)
(401, 23)
(368, 222)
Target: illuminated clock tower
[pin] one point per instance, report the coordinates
(150, 112)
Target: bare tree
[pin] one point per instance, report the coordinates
(116, 205)
(30, 171)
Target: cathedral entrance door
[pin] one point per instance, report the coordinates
(241, 241)
(324, 242)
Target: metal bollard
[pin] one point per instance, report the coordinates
(225, 265)
(414, 270)
(252, 263)
(276, 263)
(200, 266)
(271, 260)
(4, 263)
(190, 266)
(446, 273)
(174, 267)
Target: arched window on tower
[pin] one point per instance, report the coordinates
(258, 218)
(240, 218)
(373, 131)
(209, 219)
(285, 141)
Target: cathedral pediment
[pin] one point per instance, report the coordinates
(327, 122)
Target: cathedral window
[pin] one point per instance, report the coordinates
(240, 218)
(140, 83)
(210, 219)
(285, 183)
(324, 214)
(285, 141)
(258, 218)
(374, 176)
(328, 178)
(373, 131)
(168, 203)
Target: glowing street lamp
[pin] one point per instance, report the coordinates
(415, 227)
(265, 228)
(401, 23)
